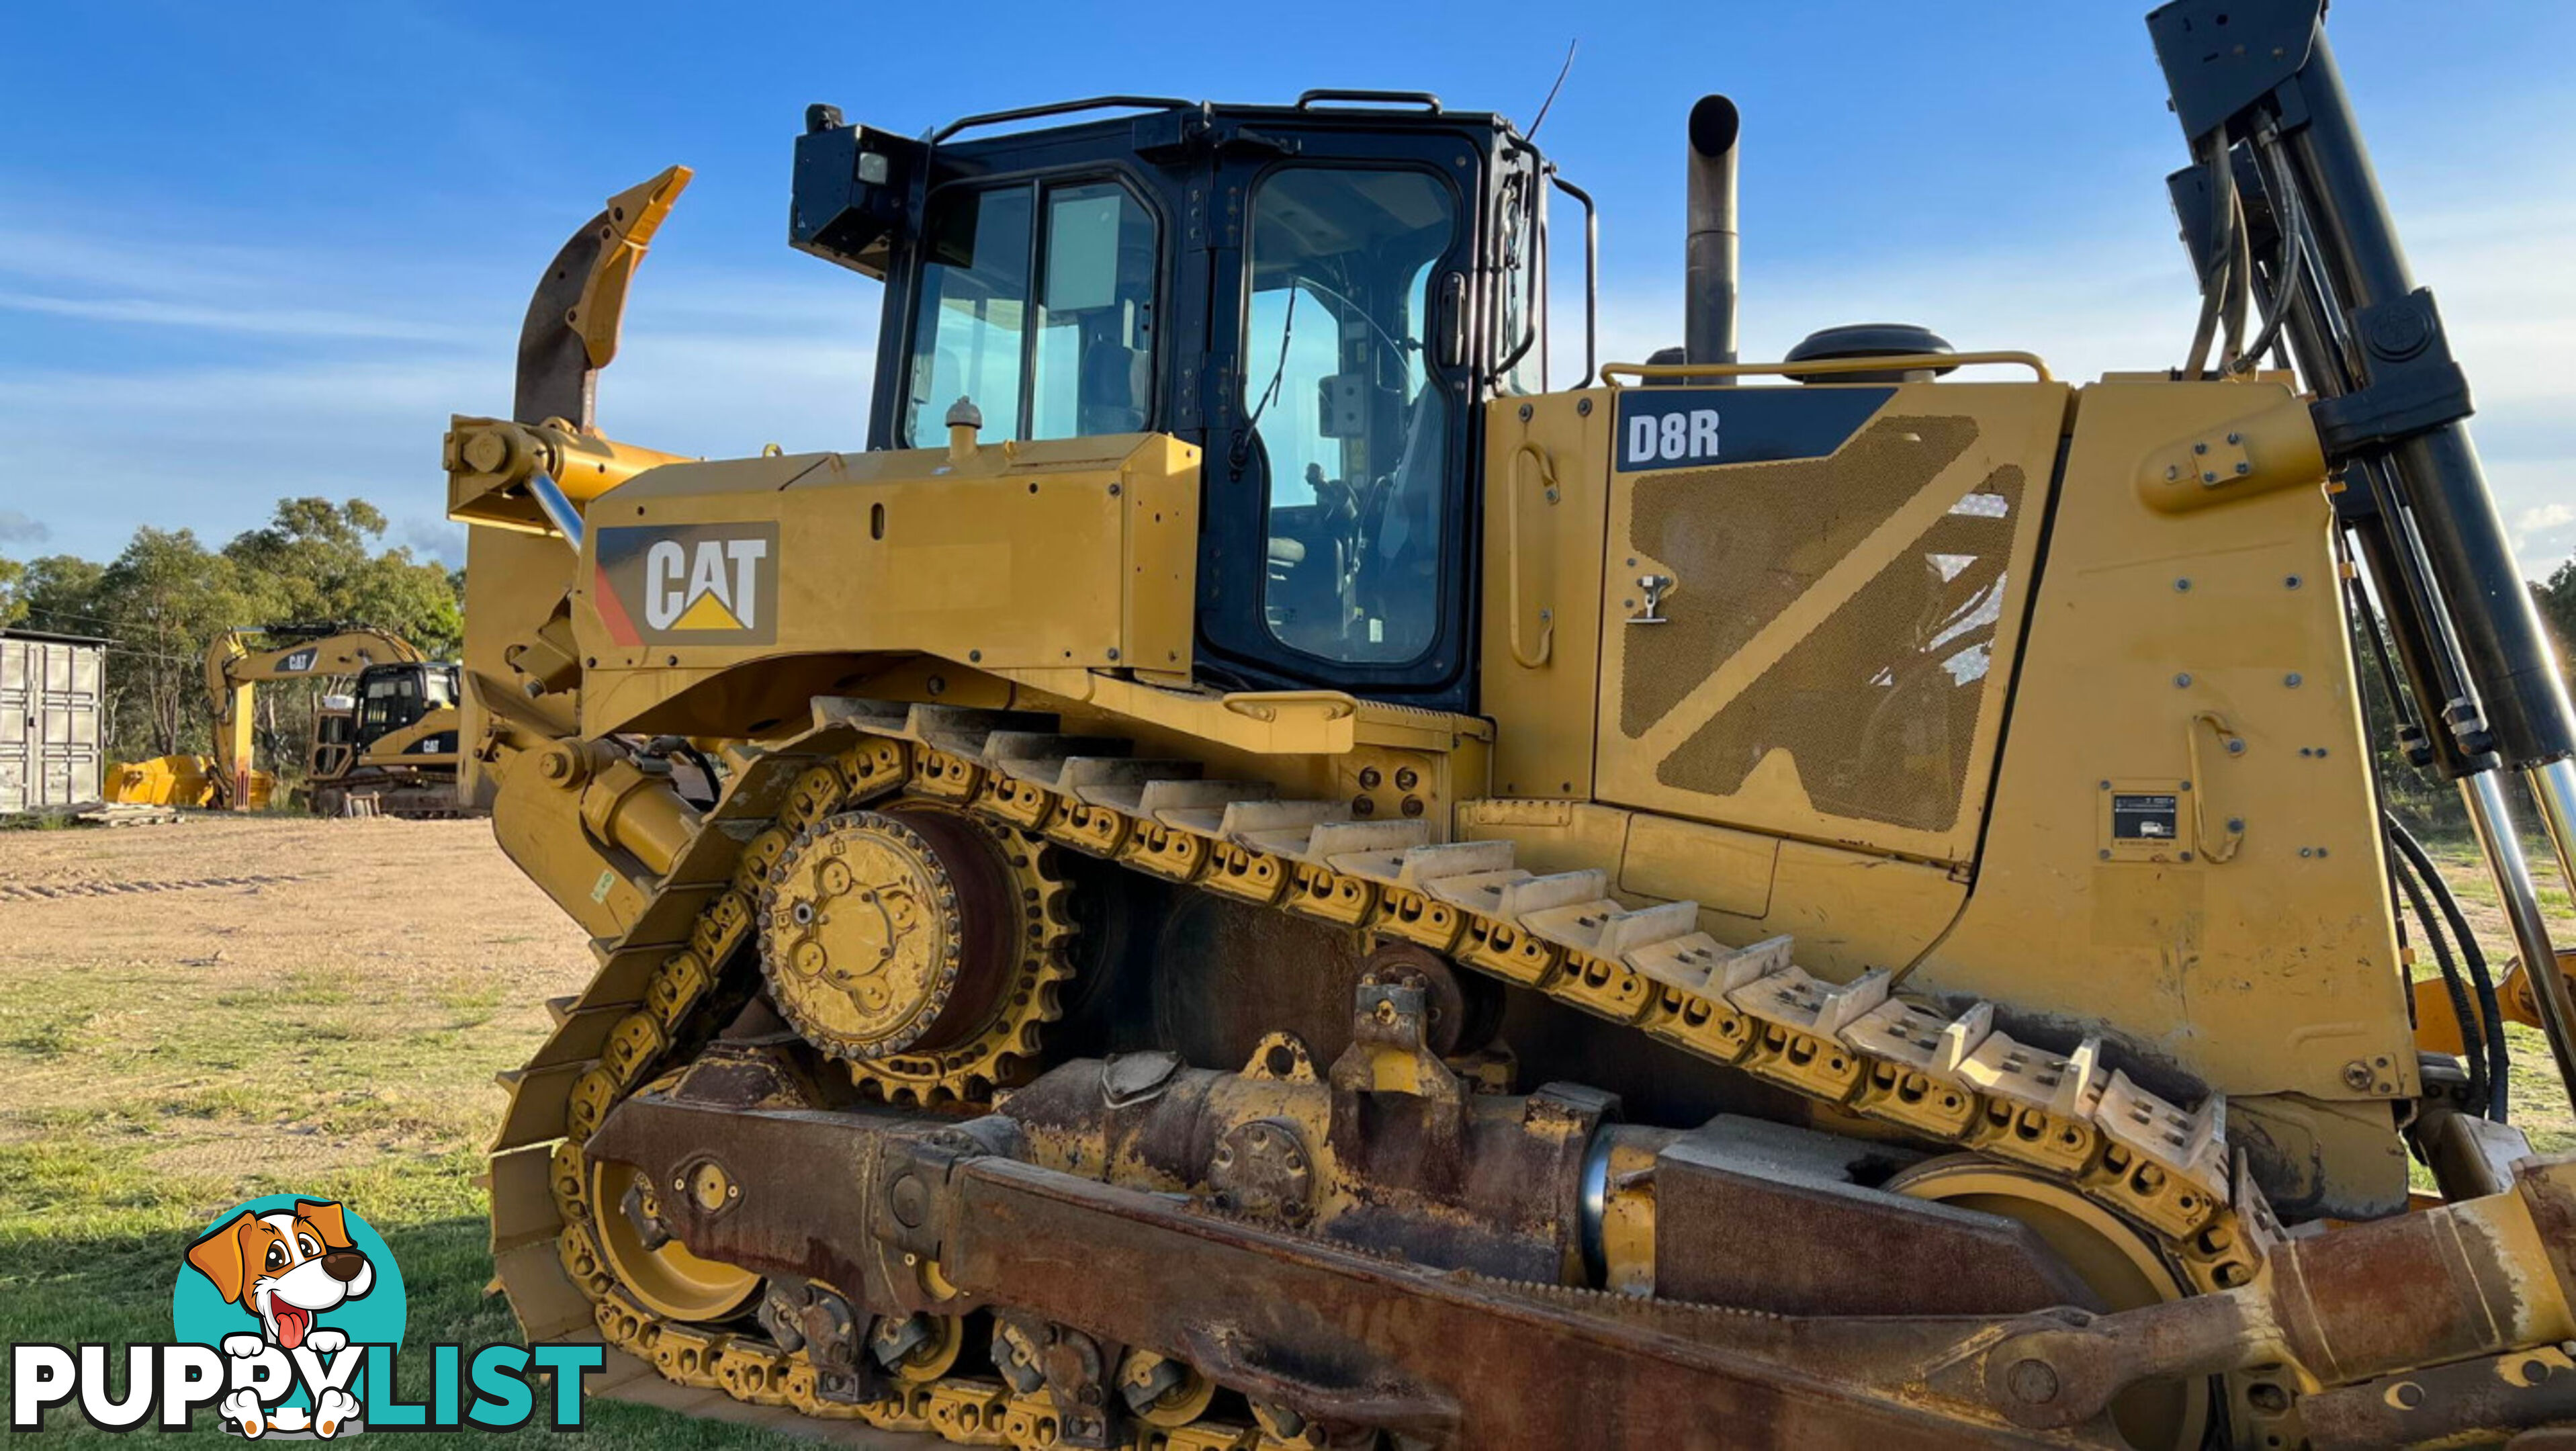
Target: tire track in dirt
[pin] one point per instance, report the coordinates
(30, 892)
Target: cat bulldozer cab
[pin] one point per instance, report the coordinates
(1320, 296)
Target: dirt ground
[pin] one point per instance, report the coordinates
(155, 948)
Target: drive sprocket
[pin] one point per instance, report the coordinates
(921, 945)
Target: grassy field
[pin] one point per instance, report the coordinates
(330, 1029)
(193, 1015)
(2540, 1106)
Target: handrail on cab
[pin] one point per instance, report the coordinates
(1650, 374)
(1347, 96)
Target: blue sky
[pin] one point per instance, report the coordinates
(256, 250)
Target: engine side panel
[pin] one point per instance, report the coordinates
(1064, 554)
(2097, 891)
(1842, 574)
(2184, 842)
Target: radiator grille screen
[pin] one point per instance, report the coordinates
(1874, 703)
(1747, 541)
(1877, 707)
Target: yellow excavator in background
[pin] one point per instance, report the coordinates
(1246, 876)
(384, 746)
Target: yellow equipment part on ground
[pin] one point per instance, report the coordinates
(176, 781)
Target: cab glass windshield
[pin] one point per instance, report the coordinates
(1037, 304)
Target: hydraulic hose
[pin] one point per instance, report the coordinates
(2472, 1029)
(2473, 955)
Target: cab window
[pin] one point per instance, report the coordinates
(1037, 302)
(1352, 425)
(388, 703)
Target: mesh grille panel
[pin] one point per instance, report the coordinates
(1877, 707)
(1750, 539)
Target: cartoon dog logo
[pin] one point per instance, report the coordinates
(286, 1268)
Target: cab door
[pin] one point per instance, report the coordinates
(1813, 602)
(335, 746)
(1347, 343)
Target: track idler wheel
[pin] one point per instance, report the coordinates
(655, 1268)
(2119, 1263)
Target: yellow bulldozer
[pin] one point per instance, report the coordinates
(1246, 875)
(385, 745)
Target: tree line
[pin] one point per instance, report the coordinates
(167, 596)
(2424, 801)
(2556, 597)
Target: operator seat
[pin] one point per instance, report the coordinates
(1404, 543)
(1114, 383)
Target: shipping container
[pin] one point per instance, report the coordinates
(53, 713)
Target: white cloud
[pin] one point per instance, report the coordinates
(100, 258)
(16, 527)
(303, 322)
(2547, 516)
(2544, 536)
(231, 376)
(350, 362)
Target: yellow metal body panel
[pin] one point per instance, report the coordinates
(2269, 970)
(1079, 554)
(521, 672)
(2157, 638)
(1548, 500)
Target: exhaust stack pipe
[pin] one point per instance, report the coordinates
(1709, 281)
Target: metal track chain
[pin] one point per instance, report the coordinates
(2196, 1228)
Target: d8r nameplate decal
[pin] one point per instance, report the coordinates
(1689, 428)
